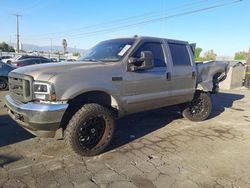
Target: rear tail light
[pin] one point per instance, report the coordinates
(16, 63)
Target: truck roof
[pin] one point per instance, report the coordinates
(153, 38)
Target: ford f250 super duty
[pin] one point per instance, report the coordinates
(115, 78)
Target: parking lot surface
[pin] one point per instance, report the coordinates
(151, 149)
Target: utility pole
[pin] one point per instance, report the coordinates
(17, 32)
(10, 41)
(50, 48)
(247, 80)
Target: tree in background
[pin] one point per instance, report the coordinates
(64, 44)
(6, 48)
(210, 55)
(240, 55)
(197, 55)
(77, 55)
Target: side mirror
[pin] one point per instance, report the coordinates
(146, 61)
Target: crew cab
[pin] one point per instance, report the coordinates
(115, 78)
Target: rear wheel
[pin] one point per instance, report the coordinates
(200, 108)
(90, 130)
(3, 84)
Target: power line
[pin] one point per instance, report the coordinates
(17, 32)
(31, 5)
(152, 20)
(155, 20)
(139, 17)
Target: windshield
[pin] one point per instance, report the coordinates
(16, 58)
(111, 50)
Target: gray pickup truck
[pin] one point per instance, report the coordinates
(115, 78)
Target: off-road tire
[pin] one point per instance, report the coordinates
(84, 119)
(3, 84)
(199, 109)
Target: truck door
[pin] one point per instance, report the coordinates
(148, 89)
(183, 76)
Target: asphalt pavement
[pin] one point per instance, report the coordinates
(151, 149)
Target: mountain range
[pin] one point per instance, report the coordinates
(32, 47)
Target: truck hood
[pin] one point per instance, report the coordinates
(44, 72)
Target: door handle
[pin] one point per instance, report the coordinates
(168, 76)
(194, 74)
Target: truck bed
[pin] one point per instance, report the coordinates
(209, 74)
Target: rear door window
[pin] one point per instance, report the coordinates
(38, 61)
(26, 62)
(44, 60)
(33, 61)
(180, 54)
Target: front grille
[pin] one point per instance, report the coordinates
(20, 87)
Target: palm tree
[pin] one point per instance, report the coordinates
(64, 44)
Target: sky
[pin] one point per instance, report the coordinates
(83, 23)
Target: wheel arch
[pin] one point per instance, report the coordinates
(6, 77)
(211, 85)
(95, 96)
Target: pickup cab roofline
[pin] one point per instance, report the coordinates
(157, 38)
(153, 38)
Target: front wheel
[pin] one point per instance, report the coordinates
(3, 84)
(90, 130)
(200, 108)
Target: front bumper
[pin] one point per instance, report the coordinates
(40, 119)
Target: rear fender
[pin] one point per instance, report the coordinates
(210, 75)
(205, 86)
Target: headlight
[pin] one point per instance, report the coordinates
(41, 88)
(44, 91)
